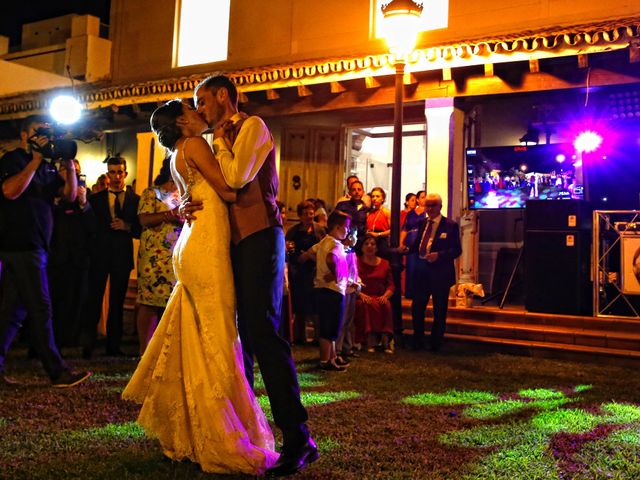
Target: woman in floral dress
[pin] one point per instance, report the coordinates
(158, 213)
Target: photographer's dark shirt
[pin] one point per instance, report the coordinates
(26, 223)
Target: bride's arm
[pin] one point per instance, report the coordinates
(201, 155)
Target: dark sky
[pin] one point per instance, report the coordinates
(17, 12)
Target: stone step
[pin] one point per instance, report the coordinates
(612, 340)
(543, 333)
(518, 316)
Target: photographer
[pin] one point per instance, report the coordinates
(28, 186)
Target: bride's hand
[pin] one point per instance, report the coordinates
(222, 128)
(187, 207)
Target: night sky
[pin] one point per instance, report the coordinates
(17, 12)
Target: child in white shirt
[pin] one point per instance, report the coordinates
(330, 283)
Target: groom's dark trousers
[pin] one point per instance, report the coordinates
(258, 267)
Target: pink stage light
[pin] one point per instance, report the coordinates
(588, 141)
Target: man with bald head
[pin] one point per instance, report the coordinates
(437, 246)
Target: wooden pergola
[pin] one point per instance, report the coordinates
(554, 58)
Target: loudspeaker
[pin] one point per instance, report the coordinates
(557, 271)
(558, 215)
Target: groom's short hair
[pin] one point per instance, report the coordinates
(215, 82)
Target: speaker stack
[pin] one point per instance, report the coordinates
(557, 252)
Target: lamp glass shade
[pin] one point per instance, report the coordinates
(401, 25)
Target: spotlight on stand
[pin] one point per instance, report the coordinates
(65, 109)
(532, 137)
(587, 142)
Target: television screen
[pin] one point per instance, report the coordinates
(506, 177)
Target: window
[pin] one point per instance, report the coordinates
(435, 15)
(202, 31)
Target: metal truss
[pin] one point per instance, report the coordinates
(609, 229)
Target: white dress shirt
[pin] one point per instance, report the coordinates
(241, 164)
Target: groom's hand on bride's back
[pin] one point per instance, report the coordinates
(188, 207)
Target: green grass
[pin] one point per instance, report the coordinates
(452, 397)
(540, 393)
(495, 409)
(454, 415)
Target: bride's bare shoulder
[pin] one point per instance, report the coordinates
(196, 143)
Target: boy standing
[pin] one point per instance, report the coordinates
(330, 283)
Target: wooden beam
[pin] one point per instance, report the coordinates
(488, 70)
(434, 88)
(409, 79)
(534, 65)
(304, 91)
(634, 51)
(583, 60)
(371, 82)
(272, 94)
(337, 87)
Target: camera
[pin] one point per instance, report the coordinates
(82, 180)
(58, 148)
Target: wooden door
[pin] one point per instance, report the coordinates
(310, 166)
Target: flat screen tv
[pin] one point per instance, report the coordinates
(506, 177)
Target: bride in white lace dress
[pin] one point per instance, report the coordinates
(191, 384)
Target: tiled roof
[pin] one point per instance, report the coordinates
(549, 42)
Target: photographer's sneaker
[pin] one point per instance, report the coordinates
(332, 367)
(70, 379)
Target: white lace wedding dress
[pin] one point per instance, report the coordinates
(190, 381)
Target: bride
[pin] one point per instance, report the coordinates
(191, 383)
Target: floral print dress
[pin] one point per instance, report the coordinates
(155, 270)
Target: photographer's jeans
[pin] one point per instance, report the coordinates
(25, 295)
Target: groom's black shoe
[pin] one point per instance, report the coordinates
(291, 462)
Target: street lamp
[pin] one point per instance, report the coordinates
(400, 26)
(401, 23)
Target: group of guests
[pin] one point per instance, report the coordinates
(343, 295)
(92, 241)
(351, 257)
(92, 244)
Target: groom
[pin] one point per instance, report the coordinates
(245, 150)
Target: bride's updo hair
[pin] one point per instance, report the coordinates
(163, 123)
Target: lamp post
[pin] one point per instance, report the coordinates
(401, 25)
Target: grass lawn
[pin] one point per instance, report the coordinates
(453, 415)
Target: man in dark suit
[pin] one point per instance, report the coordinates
(116, 212)
(437, 245)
